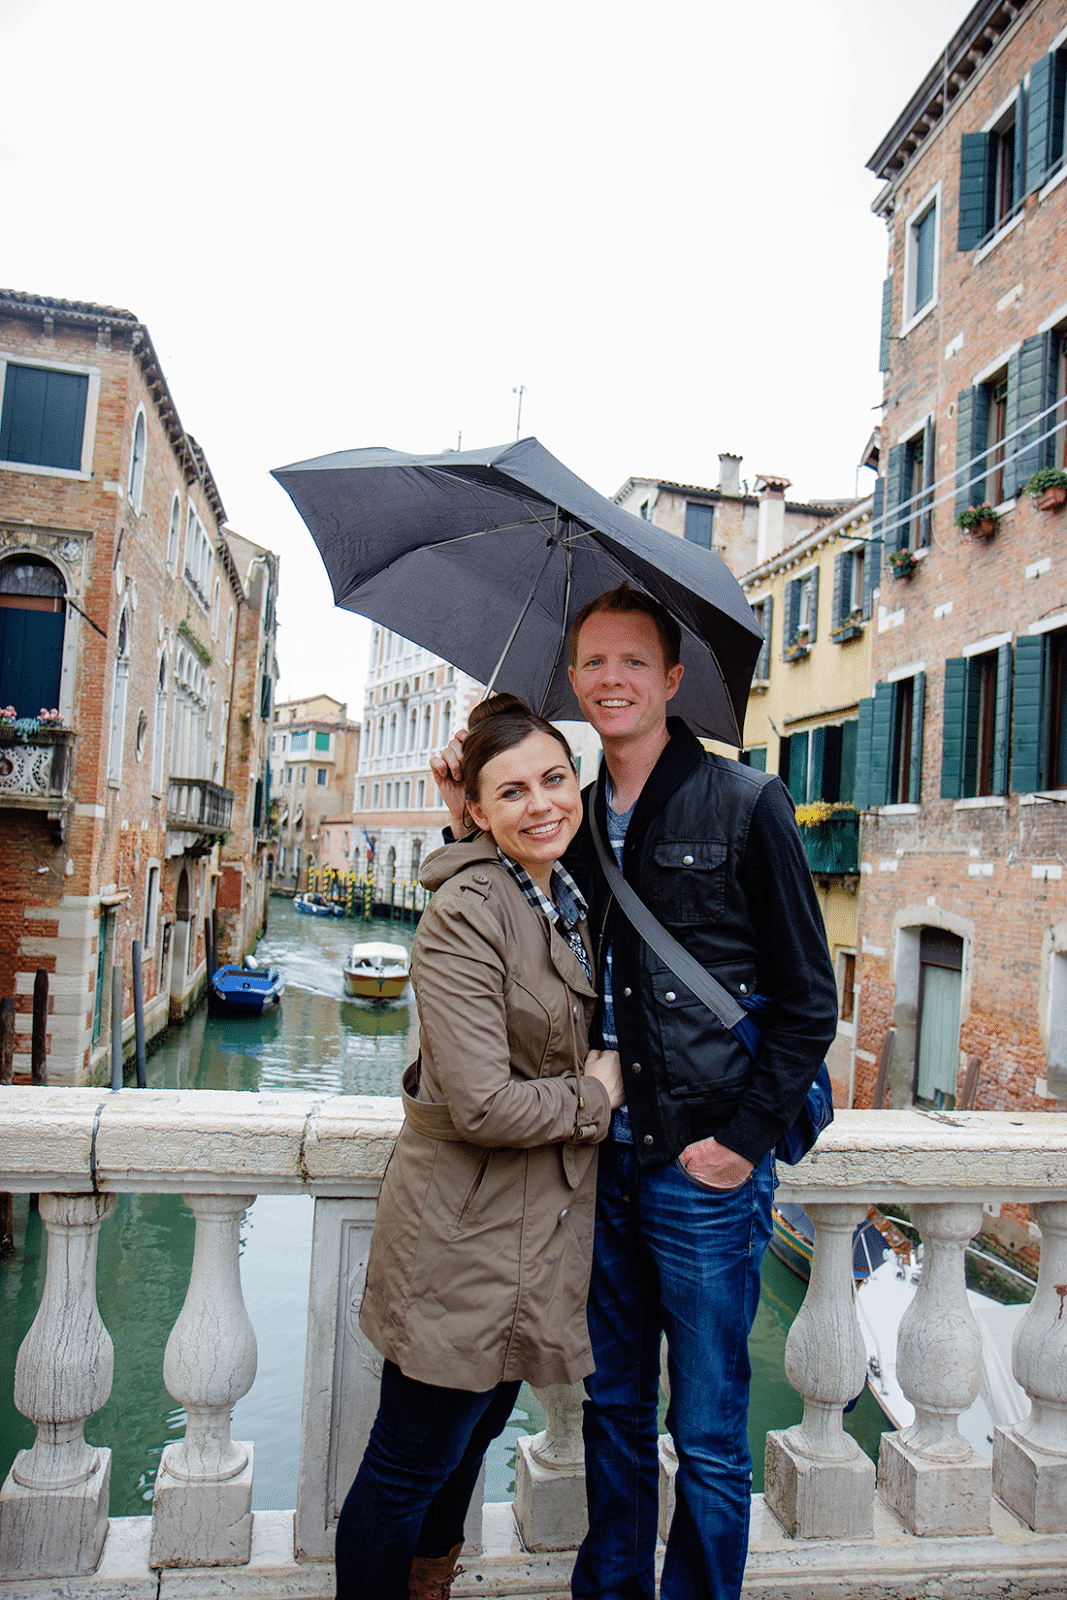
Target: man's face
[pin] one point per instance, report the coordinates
(620, 676)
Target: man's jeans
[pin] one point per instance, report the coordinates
(670, 1257)
(411, 1493)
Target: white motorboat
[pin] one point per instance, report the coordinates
(377, 971)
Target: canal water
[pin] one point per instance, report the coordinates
(321, 1041)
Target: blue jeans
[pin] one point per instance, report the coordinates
(670, 1257)
(411, 1493)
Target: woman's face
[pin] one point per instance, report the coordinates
(529, 800)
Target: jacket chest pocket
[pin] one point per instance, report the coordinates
(688, 880)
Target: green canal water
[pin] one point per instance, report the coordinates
(318, 1041)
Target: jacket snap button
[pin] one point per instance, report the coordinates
(687, 861)
(627, 993)
(564, 1214)
(648, 1139)
(744, 988)
(636, 1067)
(670, 995)
(481, 878)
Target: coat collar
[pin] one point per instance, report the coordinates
(681, 754)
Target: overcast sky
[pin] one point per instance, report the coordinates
(350, 225)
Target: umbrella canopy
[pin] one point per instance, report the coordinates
(485, 556)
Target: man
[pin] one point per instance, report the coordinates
(686, 1178)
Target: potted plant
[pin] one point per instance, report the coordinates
(800, 645)
(980, 520)
(849, 627)
(1048, 488)
(902, 563)
(8, 716)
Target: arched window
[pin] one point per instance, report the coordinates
(174, 534)
(32, 622)
(446, 722)
(160, 728)
(216, 602)
(427, 718)
(118, 697)
(137, 455)
(392, 734)
(230, 623)
(413, 729)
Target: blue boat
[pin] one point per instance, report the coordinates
(246, 991)
(317, 905)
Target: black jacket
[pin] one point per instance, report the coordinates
(714, 851)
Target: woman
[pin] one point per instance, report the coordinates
(479, 1261)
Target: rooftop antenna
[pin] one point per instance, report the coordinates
(520, 391)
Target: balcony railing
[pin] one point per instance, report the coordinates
(941, 1516)
(833, 847)
(196, 805)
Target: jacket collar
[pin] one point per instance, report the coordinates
(676, 762)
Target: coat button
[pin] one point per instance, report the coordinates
(687, 861)
(574, 1009)
(564, 1214)
(636, 1067)
(670, 995)
(627, 993)
(744, 988)
(480, 877)
(648, 1139)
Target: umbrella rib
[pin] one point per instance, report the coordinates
(518, 624)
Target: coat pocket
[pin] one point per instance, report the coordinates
(688, 880)
(470, 1199)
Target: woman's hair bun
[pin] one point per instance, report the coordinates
(499, 705)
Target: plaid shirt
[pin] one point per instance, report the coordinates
(565, 912)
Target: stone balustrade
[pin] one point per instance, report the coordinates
(940, 1515)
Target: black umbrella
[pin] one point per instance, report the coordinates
(485, 556)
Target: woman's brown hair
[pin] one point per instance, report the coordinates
(496, 725)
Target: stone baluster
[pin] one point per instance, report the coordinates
(202, 1504)
(819, 1483)
(54, 1503)
(550, 1506)
(1030, 1459)
(928, 1473)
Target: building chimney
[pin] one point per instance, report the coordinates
(729, 474)
(770, 537)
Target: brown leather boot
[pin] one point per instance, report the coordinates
(431, 1576)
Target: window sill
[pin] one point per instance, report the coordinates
(74, 473)
(991, 244)
(920, 316)
(905, 808)
(980, 802)
(759, 686)
(1056, 797)
(1053, 183)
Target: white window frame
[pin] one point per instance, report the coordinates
(152, 902)
(135, 482)
(912, 317)
(120, 685)
(174, 534)
(92, 403)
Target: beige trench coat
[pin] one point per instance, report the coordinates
(479, 1262)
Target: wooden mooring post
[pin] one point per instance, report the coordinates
(39, 1038)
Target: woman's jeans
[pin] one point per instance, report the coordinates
(413, 1488)
(670, 1257)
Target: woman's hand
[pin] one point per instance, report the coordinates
(447, 769)
(606, 1068)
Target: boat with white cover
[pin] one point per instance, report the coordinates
(376, 971)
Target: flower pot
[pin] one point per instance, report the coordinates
(1051, 499)
(904, 572)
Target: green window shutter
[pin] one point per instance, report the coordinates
(783, 759)
(1011, 422)
(817, 773)
(972, 705)
(928, 480)
(915, 770)
(882, 713)
(1035, 391)
(43, 419)
(756, 759)
(699, 522)
(798, 768)
(862, 785)
(813, 606)
(264, 698)
(1002, 720)
(322, 741)
(972, 424)
(1028, 714)
(1039, 122)
(872, 564)
(849, 745)
(1059, 108)
(842, 570)
(791, 619)
(896, 493)
(31, 659)
(763, 665)
(952, 728)
(1018, 177)
(887, 324)
(977, 188)
(257, 804)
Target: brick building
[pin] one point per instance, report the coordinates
(314, 755)
(121, 610)
(744, 525)
(962, 760)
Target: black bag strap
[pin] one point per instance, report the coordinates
(682, 964)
